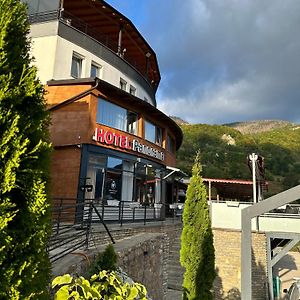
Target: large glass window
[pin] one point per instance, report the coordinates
(113, 179)
(153, 133)
(112, 115)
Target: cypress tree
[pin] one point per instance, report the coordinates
(24, 162)
(197, 250)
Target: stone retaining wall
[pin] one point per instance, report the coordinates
(227, 245)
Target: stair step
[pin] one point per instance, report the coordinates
(174, 286)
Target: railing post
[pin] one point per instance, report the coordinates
(102, 203)
(59, 215)
(88, 226)
(121, 205)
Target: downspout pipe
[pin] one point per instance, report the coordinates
(74, 98)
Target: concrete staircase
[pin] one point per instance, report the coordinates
(175, 271)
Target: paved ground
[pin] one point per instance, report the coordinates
(288, 268)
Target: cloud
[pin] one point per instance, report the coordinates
(226, 61)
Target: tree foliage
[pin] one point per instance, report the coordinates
(24, 157)
(280, 147)
(105, 285)
(197, 251)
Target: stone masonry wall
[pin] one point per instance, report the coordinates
(145, 262)
(143, 253)
(228, 265)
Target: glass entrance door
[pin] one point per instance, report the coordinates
(113, 187)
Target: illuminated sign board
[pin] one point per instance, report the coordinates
(125, 142)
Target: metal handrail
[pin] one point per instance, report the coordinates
(71, 227)
(74, 222)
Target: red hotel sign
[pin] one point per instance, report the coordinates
(124, 142)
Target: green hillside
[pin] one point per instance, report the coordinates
(225, 149)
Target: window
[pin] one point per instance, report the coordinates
(123, 84)
(153, 133)
(150, 132)
(158, 136)
(132, 122)
(76, 66)
(114, 163)
(132, 90)
(112, 115)
(95, 70)
(170, 144)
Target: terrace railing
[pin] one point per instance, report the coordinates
(74, 224)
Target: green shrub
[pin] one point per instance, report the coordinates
(197, 251)
(105, 285)
(106, 260)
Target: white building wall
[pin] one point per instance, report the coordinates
(43, 51)
(53, 58)
(228, 216)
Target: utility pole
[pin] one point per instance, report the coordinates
(253, 158)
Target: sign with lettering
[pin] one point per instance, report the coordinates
(125, 142)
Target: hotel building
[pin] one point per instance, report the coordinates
(111, 143)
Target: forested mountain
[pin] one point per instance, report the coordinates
(224, 152)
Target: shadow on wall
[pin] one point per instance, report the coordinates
(232, 294)
(259, 284)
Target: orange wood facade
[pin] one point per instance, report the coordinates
(74, 124)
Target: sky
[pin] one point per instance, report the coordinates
(223, 61)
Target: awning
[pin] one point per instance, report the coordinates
(175, 171)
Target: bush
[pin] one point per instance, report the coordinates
(106, 260)
(105, 285)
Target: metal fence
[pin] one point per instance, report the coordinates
(74, 224)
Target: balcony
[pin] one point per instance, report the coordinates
(80, 33)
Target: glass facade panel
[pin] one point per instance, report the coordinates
(114, 163)
(112, 115)
(38, 6)
(150, 132)
(114, 179)
(127, 181)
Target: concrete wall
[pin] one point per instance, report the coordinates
(227, 245)
(228, 216)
